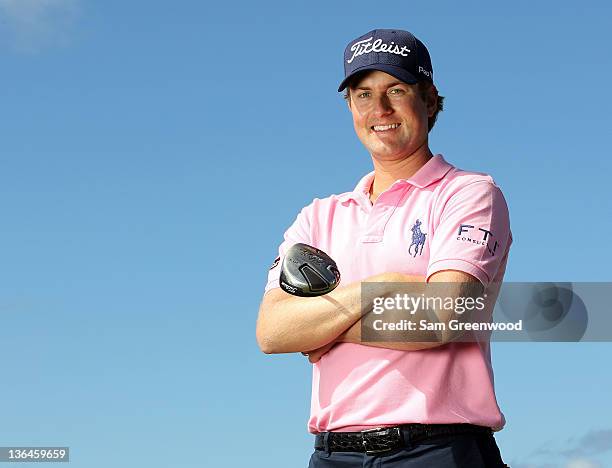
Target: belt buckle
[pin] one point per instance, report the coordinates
(382, 431)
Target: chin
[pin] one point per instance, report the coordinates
(386, 156)
(387, 153)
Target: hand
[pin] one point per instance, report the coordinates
(315, 355)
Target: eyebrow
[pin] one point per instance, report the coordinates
(395, 83)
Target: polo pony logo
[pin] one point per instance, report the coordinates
(418, 238)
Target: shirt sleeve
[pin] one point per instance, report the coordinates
(473, 233)
(298, 232)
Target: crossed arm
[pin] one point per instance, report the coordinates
(288, 324)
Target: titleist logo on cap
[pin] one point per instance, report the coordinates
(366, 46)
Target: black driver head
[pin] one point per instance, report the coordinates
(307, 272)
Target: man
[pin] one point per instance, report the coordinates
(415, 218)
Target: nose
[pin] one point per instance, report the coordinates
(382, 105)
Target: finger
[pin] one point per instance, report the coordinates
(314, 357)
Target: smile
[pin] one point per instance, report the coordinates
(385, 128)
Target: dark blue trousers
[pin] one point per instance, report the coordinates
(456, 451)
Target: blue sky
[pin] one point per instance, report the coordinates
(152, 155)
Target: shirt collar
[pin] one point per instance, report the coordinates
(432, 171)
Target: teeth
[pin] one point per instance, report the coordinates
(382, 128)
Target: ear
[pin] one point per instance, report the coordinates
(432, 100)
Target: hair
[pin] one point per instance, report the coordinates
(423, 88)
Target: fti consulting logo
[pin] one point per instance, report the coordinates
(418, 239)
(480, 236)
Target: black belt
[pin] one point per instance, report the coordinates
(383, 439)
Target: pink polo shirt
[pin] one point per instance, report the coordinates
(462, 217)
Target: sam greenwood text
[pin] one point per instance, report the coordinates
(454, 325)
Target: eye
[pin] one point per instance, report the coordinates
(363, 95)
(396, 91)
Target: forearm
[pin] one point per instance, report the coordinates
(353, 333)
(421, 334)
(296, 324)
(303, 323)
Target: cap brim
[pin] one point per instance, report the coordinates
(392, 70)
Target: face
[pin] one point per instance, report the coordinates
(389, 116)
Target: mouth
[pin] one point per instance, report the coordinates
(384, 128)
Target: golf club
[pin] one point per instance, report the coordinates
(307, 272)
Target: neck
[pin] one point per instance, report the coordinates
(387, 172)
